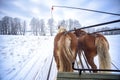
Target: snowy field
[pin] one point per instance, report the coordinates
(29, 57)
(26, 58)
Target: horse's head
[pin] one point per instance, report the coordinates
(79, 32)
(61, 29)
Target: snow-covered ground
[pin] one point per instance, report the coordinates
(26, 58)
(114, 49)
(29, 57)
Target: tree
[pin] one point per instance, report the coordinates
(24, 27)
(70, 24)
(5, 25)
(62, 23)
(11, 26)
(0, 27)
(38, 26)
(76, 24)
(42, 27)
(34, 23)
(51, 25)
(17, 26)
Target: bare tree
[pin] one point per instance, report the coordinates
(5, 25)
(24, 27)
(37, 26)
(42, 27)
(70, 24)
(10, 26)
(34, 26)
(17, 26)
(76, 24)
(62, 23)
(0, 27)
(51, 25)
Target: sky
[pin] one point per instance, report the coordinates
(27, 9)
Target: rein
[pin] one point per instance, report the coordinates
(100, 24)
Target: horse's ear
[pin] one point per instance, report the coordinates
(58, 27)
(74, 28)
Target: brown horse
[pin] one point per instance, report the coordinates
(65, 50)
(92, 45)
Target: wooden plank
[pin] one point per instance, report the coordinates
(87, 76)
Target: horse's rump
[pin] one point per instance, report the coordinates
(65, 50)
(93, 44)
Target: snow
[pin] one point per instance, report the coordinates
(26, 57)
(29, 57)
(114, 49)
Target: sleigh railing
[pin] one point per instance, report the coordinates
(105, 70)
(87, 76)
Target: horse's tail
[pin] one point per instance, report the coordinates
(66, 55)
(103, 53)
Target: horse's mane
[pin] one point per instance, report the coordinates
(61, 29)
(80, 32)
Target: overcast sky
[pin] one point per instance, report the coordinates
(27, 9)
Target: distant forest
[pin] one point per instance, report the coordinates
(38, 27)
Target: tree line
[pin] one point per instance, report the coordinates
(12, 26)
(15, 26)
(38, 26)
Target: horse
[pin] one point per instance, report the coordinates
(65, 50)
(92, 45)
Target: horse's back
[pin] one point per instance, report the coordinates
(87, 42)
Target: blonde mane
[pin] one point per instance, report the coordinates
(61, 29)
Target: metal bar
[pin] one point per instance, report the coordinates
(110, 22)
(86, 60)
(117, 29)
(114, 66)
(80, 60)
(87, 10)
(105, 23)
(96, 70)
(50, 68)
(80, 70)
